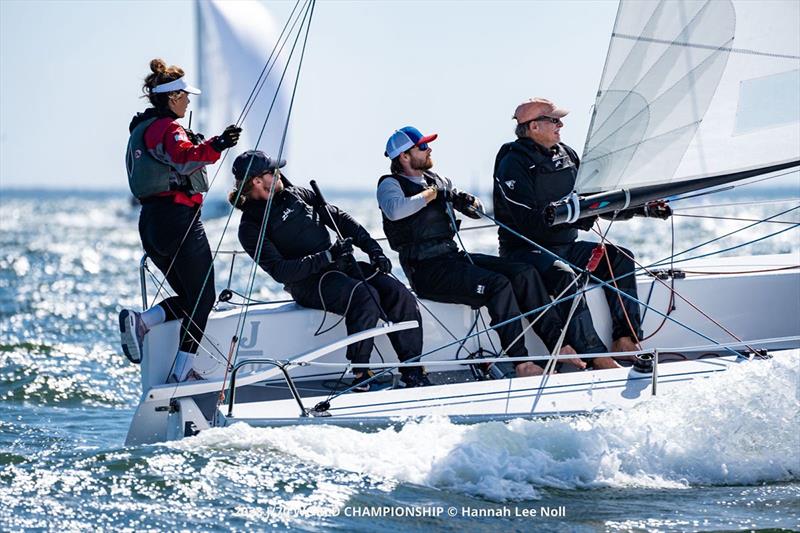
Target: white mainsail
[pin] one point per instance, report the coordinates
(695, 88)
(235, 41)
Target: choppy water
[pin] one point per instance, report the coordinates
(724, 456)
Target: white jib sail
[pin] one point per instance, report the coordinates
(235, 41)
(693, 88)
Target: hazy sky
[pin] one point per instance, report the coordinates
(71, 76)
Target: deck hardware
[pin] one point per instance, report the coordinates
(280, 364)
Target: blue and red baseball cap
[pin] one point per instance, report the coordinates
(405, 138)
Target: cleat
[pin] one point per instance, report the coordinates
(131, 331)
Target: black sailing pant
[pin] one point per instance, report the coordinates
(363, 312)
(505, 288)
(185, 262)
(558, 275)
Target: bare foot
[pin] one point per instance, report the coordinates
(604, 363)
(528, 369)
(625, 344)
(577, 361)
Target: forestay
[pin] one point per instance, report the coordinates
(695, 88)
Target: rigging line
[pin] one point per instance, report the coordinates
(733, 204)
(457, 230)
(349, 299)
(739, 230)
(433, 315)
(309, 13)
(304, 12)
(227, 222)
(760, 271)
(691, 304)
(704, 46)
(181, 315)
(550, 368)
(234, 350)
(662, 57)
(671, 302)
(707, 348)
(222, 162)
(600, 282)
(256, 88)
(471, 228)
(735, 247)
(737, 219)
(603, 240)
(254, 301)
(263, 82)
(736, 186)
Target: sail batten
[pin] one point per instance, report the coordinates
(694, 88)
(704, 46)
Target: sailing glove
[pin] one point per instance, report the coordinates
(445, 194)
(342, 254)
(227, 139)
(194, 138)
(380, 262)
(341, 247)
(467, 204)
(657, 209)
(585, 224)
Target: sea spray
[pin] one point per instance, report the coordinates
(739, 427)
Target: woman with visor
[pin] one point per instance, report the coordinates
(166, 172)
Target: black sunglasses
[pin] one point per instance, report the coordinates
(545, 118)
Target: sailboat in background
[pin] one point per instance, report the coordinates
(695, 93)
(240, 76)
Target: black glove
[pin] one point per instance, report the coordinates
(657, 209)
(380, 262)
(342, 254)
(341, 247)
(227, 138)
(467, 204)
(194, 138)
(444, 193)
(585, 224)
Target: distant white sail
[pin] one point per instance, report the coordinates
(693, 88)
(235, 41)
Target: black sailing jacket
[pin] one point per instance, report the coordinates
(296, 239)
(527, 177)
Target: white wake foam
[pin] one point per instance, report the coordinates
(740, 427)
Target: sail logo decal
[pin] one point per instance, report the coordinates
(598, 205)
(286, 213)
(247, 344)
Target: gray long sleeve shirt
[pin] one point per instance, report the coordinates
(395, 204)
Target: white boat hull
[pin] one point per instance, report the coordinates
(753, 306)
